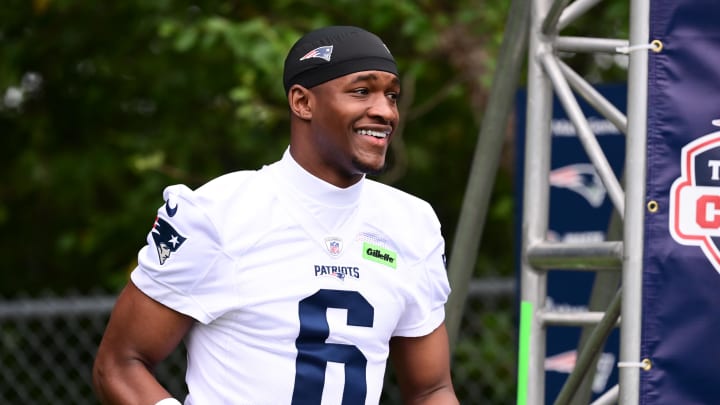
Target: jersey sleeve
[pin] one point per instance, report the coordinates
(183, 266)
(426, 304)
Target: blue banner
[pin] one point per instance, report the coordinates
(681, 276)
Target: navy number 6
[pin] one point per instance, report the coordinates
(314, 352)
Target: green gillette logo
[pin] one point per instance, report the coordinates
(379, 255)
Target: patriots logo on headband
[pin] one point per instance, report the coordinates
(323, 52)
(167, 239)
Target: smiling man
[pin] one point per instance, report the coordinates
(342, 86)
(295, 283)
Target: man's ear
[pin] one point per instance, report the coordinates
(300, 100)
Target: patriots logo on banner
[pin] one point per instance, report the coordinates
(695, 198)
(581, 178)
(323, 52)
(561, 363)
(167, 239)
(565, 363)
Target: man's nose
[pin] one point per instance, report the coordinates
(383, 107)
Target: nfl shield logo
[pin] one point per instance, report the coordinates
(333, 245)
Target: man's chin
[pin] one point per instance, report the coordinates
(369, 169)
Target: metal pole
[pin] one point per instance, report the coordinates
(485, 162)
(604, 289)
(585, 44)
(593, 346)
(594, 98)
(595, 256)
(608, 398)
(635, 174)
(585, 134)
(551, 18)
(574, 11)
(536, 200)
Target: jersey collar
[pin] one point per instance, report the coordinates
(315, 188)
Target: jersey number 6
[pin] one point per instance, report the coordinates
(314, 352)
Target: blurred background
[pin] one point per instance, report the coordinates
(103, 104)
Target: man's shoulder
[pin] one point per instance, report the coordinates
(229, 193)
(228, 183)
(394, 196)
(228, 188)
(401, 209)
(404, 222)
(232, 201)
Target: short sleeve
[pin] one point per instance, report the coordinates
(426, 304)
(184, 266)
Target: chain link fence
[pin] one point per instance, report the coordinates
(47, 347)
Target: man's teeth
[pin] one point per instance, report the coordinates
(375, 134)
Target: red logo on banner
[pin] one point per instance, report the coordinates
(695, 198)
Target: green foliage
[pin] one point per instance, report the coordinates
(106, 103)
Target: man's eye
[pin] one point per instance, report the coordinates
(363, 91)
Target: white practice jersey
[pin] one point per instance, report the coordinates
(297, 286)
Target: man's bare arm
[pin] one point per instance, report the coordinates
(422, 365)
(141, 332)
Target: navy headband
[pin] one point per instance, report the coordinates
(328, 53)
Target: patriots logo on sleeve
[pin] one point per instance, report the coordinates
(167, 239)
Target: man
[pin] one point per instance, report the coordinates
(293, 284)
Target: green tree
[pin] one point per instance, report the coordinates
(104, 104)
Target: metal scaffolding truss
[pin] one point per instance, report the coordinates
(536, 26)
(548, 75)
